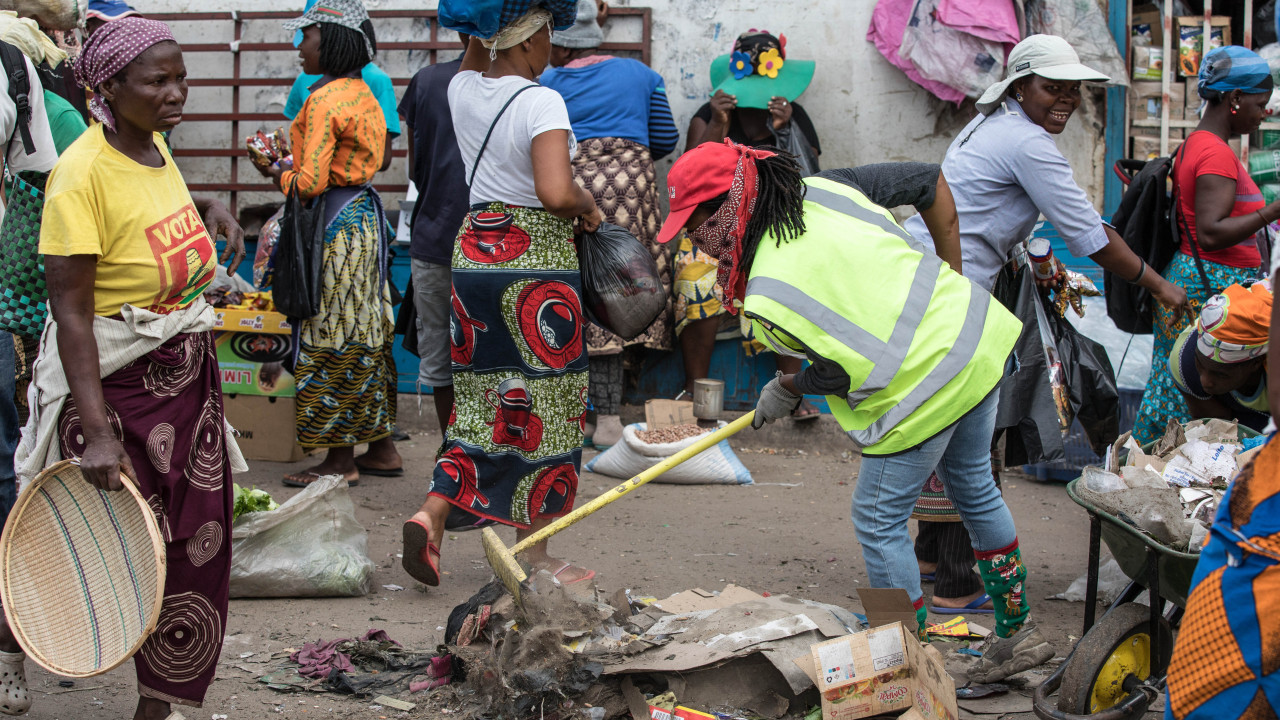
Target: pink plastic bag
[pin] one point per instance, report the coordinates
(888, 21)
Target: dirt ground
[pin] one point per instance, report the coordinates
(788, 533)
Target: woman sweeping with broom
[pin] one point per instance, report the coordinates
(908, 352)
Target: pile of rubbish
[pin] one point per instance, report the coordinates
(1171, 490)
(697, 655)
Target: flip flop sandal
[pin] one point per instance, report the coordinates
(353, 479)
(14, 697)
(973, 608)
(379, 472)
(418, 550)
(590, 574)
(928, 577)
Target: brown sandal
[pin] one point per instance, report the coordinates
(418, 550)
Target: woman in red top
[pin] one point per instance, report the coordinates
(1221, 216)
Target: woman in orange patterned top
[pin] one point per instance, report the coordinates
(344, 369)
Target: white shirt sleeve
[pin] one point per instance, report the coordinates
(547, 111)
(45, 155)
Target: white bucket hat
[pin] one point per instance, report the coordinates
(1048, 56)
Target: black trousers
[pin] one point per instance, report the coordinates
(948, 545)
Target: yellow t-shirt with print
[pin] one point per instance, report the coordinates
(152, 247)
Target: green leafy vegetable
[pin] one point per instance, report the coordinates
(252, 500)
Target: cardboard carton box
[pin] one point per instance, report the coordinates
(263, 321)
(882, 670)
(252, 363)
(266, 426)
(1146, 27)
(1146, 101)
(1147, 147)
(1192, 110)
(1188, 40)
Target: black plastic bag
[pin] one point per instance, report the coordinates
(1027, 404)
(621, 289)
(299, 256)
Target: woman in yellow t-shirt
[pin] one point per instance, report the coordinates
(128, 253)
(344, 371)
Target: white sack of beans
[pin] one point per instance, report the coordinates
(716, 465)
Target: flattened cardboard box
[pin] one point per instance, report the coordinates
(884, 669)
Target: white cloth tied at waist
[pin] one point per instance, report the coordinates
(120, 342)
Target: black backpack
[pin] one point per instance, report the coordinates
(1148, 221)
(15, 65)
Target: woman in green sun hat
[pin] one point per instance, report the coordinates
(755, 87)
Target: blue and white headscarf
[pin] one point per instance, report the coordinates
(1233, 68)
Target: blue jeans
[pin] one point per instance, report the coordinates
(8, 426)
(888, 487)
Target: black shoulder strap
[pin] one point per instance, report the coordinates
(489, 134)
(1182, 226)
(15, 64)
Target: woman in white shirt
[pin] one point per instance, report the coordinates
(513, 448)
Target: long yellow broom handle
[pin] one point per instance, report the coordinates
(635, 482)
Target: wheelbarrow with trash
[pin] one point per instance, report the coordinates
(1120, 664)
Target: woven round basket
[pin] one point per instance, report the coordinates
(83, 572)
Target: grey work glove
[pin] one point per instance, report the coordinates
(775, 402)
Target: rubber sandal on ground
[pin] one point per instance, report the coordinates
(378, 472)
(973, 608)
(556, 574)
(14, 696)
(418, 550)
(306, 477)
(928, 577)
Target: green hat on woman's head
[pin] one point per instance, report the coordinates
(758, 70)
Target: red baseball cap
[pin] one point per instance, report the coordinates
(704, 173)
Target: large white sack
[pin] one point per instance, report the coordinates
(717, 465)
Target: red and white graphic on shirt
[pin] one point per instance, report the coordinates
(184, 255)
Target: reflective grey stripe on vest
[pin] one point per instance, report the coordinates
(847, 206)
(957, 358)
(886, 357)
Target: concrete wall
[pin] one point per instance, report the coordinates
(865, 110)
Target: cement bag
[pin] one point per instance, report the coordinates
(50, 14)
(311, 546)
(714, 466)
(621, 289)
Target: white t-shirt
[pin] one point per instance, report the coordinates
(506, 169)
(46, 154)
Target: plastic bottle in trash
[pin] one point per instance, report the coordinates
(1040, 253)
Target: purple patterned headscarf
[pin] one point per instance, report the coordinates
(109, 50)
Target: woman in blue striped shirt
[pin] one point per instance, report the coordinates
(620, 115)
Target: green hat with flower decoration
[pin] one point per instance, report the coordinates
(758, 70)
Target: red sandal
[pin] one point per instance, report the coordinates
(418, 550)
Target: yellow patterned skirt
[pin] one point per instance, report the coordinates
(344, 370)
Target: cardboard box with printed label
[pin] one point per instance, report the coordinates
(266, 427)
(1146, 101)
(1188, 40)
(882, 670)
(253, 347)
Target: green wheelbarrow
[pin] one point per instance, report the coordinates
(1120, 664)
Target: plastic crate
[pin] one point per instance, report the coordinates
(1076, 445)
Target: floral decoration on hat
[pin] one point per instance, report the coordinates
(770, 63)
(741, 65)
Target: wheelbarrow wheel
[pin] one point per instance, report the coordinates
(1114, 650)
